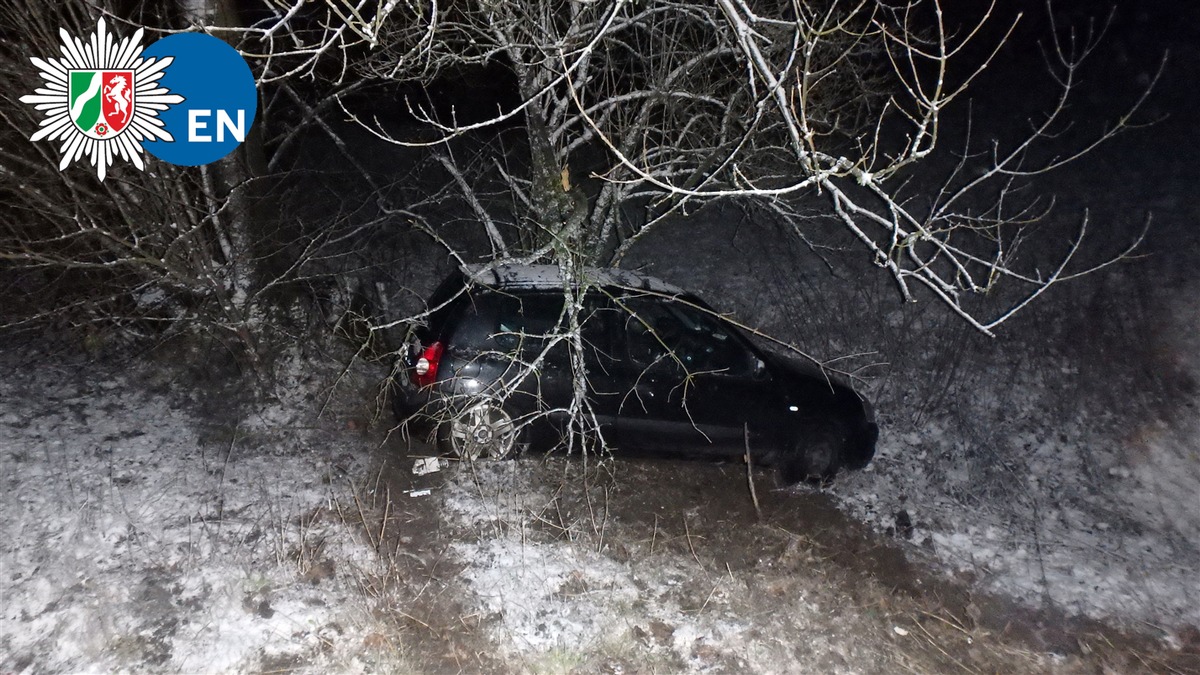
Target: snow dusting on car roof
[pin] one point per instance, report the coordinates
(549, 276)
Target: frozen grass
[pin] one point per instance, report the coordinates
(557, 598)
(141, 536)
(127, 544)
(1056, 486)
(559, 584)
(1048, 534)
(130, 544)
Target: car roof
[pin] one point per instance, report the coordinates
(510, 276)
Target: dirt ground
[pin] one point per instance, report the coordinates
(882, 605)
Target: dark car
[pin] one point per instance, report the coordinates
(494, 371)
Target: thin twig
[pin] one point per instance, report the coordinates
(687, 533)
(750, 473)
(654, 534)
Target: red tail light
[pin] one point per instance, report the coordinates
(426, 367)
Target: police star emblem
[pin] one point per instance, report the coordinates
(101, 99)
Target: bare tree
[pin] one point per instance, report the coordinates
(618, 115)
(629, 112)
(663, 83)
(139, 248)
(147, 251)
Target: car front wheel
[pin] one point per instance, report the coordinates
(817, 454)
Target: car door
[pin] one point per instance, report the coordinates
(522, 340)
(692, 383)
(598, 322)
(531, 328)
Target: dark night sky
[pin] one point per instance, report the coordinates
(1152, 170)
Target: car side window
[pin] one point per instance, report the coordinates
(659, 330)
(596, 323)
(649, 333)
(523, 322)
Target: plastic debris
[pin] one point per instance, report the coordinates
(426, 465)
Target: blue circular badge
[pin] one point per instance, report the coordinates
(220, 99)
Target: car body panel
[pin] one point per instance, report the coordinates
(664, 372)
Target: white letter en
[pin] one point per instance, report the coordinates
(224, 122)
(195, 125)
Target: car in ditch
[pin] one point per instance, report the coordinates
(649, 367)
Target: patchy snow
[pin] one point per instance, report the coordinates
(541, 592)
(138, 535)
(127, 543)
(562, 599)
(1105, 561)
(1055, 514)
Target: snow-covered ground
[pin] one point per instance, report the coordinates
(566, 588)
(129, 544)
(1050, 511)
(560, 598)
(1117, 547)
(141, 535)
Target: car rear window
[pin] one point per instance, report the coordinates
(526, 319)
(495, 320)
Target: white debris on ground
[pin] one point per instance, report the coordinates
(126, 543)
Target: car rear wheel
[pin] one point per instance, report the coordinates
(482, 430)
(817, 455)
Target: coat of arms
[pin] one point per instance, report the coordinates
(101, 99)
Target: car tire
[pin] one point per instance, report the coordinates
(816, 456)
(481, 430)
